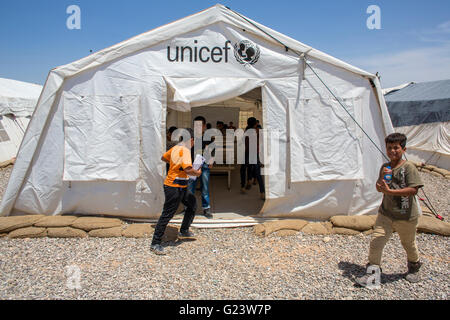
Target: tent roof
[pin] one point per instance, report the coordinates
(215, 14)
(419, 103)
(435, 90)
(393, 89)
(17, 97)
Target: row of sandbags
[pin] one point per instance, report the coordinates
(346, 225)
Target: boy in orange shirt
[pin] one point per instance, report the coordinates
(175, 191)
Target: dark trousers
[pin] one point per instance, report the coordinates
(246, 172)
(252, 171)
(173, 198)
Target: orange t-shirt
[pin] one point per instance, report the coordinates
(180, 159)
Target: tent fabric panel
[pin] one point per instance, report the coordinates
(321, 151)
(320, 128)
(101, 138)
(410, 113)
(322, 199)
(420, 103)
(18, 98)
(434, 137)
(187, 93)
(424, 91)
(31, 141)
(42, 187)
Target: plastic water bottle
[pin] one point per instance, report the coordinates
(388, 175)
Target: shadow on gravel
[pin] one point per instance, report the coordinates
(352, 271)
(170, 238)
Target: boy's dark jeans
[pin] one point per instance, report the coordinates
(173, 198)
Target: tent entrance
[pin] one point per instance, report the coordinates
(226, 199)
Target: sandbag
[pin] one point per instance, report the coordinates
(359, 223)
(432, 225)
(92, 223)
(28, 232)
(8, 224)
(316, 228)
(267, 228)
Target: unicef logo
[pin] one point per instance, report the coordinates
(246, 52)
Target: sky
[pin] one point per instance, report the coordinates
(412, 43)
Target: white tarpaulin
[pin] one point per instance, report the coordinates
(18, 98)
(428, 136)
(108, 161)
(17, 102)
(101, 138)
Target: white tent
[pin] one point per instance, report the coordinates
(95, 141)
(17, 102)
(422, 112)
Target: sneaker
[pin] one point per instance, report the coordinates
(370, 280)
(207, 213)
(186, 235)
(413, 274)
(243, 191)
(157, 249)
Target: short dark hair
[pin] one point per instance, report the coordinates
(396, 138)
(251, 122)
(172, 129)
(200, 118)
(191, 132)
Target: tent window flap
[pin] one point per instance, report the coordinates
(101, 136)
(325, 141)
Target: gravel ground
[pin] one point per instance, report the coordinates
(221, 264)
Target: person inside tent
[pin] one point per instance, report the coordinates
(253, 170)
(176, 191)
(207, 151)
(169, 143)
(219, 125)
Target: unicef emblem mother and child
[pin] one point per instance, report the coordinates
(246, 52)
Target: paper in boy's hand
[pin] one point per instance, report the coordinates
(198, 162)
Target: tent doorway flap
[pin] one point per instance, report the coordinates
(186, 93)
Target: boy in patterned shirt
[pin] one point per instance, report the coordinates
(399, 210)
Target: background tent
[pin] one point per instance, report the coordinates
(422, 112)
(112, 107)
(17, 102)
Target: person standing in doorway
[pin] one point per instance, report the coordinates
(253, 170)
(208, 152)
